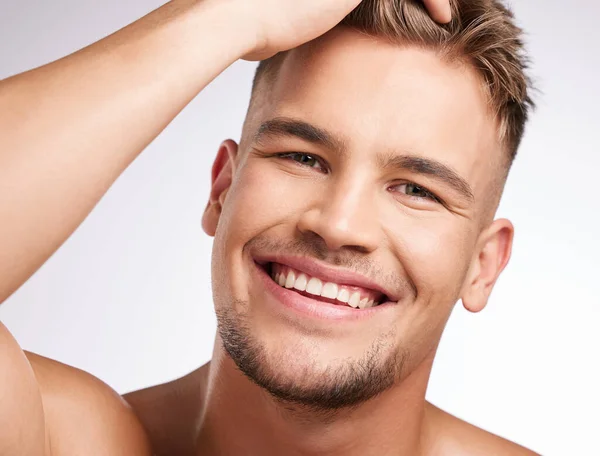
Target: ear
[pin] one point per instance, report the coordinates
(223, 170)
(491, 257)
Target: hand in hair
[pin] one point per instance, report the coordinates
(283, 25)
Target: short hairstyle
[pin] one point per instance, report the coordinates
(482, 33)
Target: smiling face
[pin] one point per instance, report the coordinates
(365, 174)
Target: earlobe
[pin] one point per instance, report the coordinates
(223, 170)
(491, 257)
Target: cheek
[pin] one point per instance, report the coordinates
(258, 200)
(265, 195)
(434, 252)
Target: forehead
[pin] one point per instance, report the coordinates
(384, 98)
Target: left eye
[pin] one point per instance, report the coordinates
(304, 159)
(416, 191)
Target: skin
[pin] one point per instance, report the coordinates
(95, 135)
(422, 107)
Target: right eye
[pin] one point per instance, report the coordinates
(310, 161)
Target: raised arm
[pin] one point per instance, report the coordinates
(70, 128)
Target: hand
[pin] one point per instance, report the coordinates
(286, 24)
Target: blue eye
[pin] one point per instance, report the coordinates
(304, 159)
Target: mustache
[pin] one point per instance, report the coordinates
(347, 258)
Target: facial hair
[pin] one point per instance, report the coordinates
(344, 387)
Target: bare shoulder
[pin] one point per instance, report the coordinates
(453, 436)
(83, 415)
(23, 430)
(169, 412)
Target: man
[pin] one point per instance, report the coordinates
(356, 210)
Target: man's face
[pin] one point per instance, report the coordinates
(366, 165)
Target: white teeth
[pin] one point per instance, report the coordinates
(343, 295)
(281, 279)
(314, 286)
(330, 290)
(291, 280)
(301, 282)
(354, 300)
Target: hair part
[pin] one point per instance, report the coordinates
(482, 33)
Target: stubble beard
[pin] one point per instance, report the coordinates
(325, 392)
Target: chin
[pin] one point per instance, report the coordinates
(302, 371)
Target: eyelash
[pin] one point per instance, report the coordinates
(289, 155)
(429, 195)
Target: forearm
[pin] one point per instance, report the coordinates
(70, 128)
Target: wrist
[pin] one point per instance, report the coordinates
(231, 24)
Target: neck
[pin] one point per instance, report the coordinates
(239, 417)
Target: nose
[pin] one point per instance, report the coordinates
(344, 216)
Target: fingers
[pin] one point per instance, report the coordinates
(439, 10)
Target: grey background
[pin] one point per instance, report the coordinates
(128, 298)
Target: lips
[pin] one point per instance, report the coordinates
(324, 282)
(303, 308)
(315, 287)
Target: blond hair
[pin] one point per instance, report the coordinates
(482, 33)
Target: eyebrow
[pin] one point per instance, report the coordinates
(429, 167)
(286, 127)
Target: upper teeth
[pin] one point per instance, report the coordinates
(315, 286)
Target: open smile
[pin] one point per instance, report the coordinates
(321, 290)
(318, 296)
